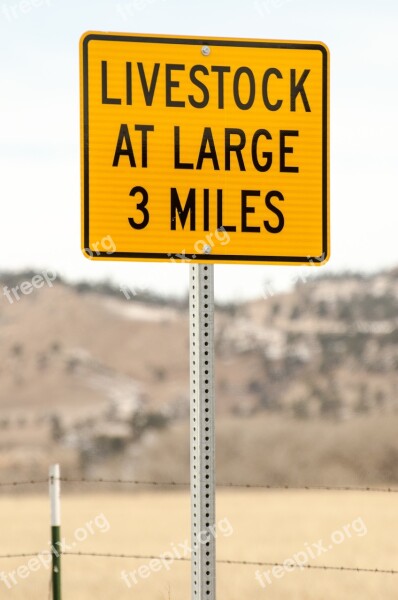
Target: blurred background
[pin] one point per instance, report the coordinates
(306, 382)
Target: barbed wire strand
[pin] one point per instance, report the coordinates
(24, 555)
(250, 563)
(101, 480)
(234, 485)
(234, 562)
(28, 482)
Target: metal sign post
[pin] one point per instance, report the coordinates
(202, 431)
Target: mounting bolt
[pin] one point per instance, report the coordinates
(205, 50)
(207, 249)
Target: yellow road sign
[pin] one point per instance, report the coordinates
(210, 150)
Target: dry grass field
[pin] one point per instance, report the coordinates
(252, 525)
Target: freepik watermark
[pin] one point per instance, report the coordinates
(15, 10)
(25, 288)
(205, 246)
(267, 7)
(130, 292)
(99, 524)
(175, 553)
(311, 552)
(104, 246)
(302, 275)
(128, 9)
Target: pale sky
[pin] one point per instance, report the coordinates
(39, 117)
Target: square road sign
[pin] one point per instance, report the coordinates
(210, 150)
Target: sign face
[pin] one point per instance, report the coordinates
(206, 150)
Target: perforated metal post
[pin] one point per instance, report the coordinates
(202, 432)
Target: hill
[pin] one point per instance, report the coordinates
(95, 377)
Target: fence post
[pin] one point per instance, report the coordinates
(55, 499)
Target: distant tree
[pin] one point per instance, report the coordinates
(322, 309)
(159, 373)
(55, 347)
(71, 364)
(42, 361)
(254, 386)
(56, 428)
(276, 309)
(296, 312)
(143, 421)
(300, 409)
(17, 349)
(380, 398)
(330, 402)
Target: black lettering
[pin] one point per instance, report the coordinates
(267, 155)
(286, 150)
(298, 89)
(148, 91)
(177, 152)
(221, 71)
(124, 138)
(276, 211)
(247, 210)
(171, 83)
(252, 84)
(220, 215)
(144, 141)
(207, 139)
(237, 147)
(277, 105)
(189, 209)
(104, 81)
(205, 101)
(141, 206)
(206, 209)
(129, 84)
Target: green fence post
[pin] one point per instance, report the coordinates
(55, 499)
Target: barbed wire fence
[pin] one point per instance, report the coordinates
(249, 563)
(182, 485)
